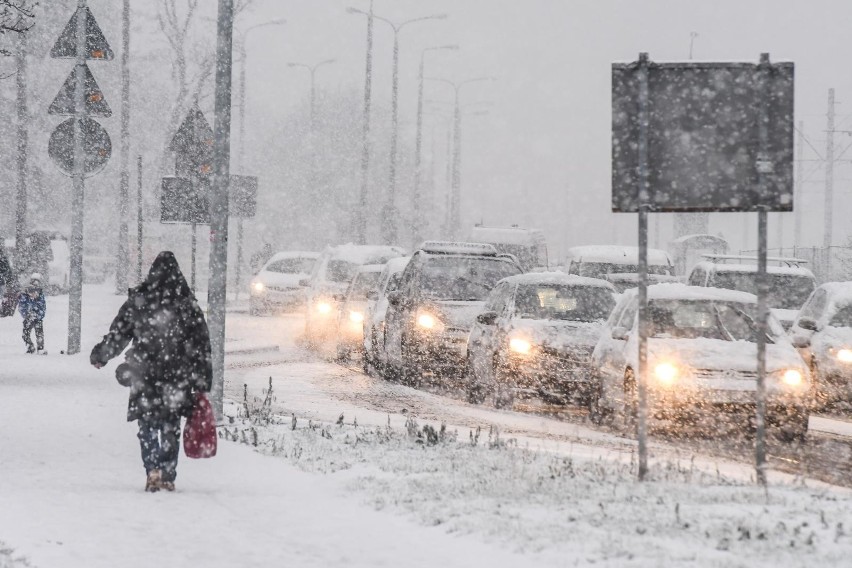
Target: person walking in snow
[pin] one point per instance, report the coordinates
(33, 307)
(168, 362)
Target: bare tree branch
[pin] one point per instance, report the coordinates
(17, 15)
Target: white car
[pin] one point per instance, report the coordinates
(618, 265)
(823, 330)
(277, 284)
(376, 311)
(350, 318)
(702, 360)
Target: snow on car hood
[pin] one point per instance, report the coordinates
(458, 314)
(561, 335)
(717, 354)
(839, 337)
(786, 317)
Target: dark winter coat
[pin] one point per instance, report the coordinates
(7, 278)
(32, 308)
(170, 356)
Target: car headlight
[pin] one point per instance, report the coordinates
(520, 346)
(258, 286)
(666, 373)
(792, 377)
(429, 321)
(844, 355)
(356, 317)
(323, 308)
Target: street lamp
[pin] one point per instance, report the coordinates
(455, 201)
(389, 212)
(312, 69)
(416, 204)
(241, 44)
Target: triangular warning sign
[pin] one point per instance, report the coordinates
(193, 133)
(96, 44)
(96, 104)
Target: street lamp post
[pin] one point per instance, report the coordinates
(241, 148)
(455, 199)
(313, 70)
(416, 201)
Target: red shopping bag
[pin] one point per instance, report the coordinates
(199, 433)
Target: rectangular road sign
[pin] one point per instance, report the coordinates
(703, 138)
(97, 46)
(96, 104)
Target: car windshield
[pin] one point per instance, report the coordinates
(572, 303)
(463, 278)
(843, 317)
(786, 291)
(340, 270)
(679, 319)
(291, 266)
(601, 269)
(363, 283)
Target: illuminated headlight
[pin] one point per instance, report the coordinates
(356, 317)
(323, 308)
(258, 286)
(429, 322)
(792, 377)
(844, 355)
(666, 373)
(520, 346)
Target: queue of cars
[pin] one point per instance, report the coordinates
(466, 316)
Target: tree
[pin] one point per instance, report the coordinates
(16, 16)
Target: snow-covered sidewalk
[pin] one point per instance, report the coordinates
(71, 484)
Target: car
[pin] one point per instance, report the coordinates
(702, 360)
(327, 284)
(618, 265)
(536, 335)
(350, 319)
(527, 245)
(277, 285)
(376, 311)
(429, 316)
(789, 283)
(823, 331)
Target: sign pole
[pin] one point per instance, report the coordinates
(122, 260)
(642, 371)
(194, 251)
(764, 167)
(139, 219)
(75, 295)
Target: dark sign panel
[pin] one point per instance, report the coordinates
(243, 196)
(193, 146)
(180, 202)
(97, 46)
(97, 146)
(704, 149)
(95, 102)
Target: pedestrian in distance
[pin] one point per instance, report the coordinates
(33, 308)
(167, 365)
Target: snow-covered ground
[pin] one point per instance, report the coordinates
(374, 494)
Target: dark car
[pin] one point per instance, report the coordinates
(441, 291)
(536, 337)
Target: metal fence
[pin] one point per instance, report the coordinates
(832, 264)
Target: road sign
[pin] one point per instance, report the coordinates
(242, 194)
(96, 104)
(193, 146)
(180, 202)
(703, 149)
(97, 146)
(97, 46)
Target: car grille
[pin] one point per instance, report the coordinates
(283, 288)
(726, 374)
(579, 356)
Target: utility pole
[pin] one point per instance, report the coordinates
(122, 260)
(312, 69)
(218, 282)
(828, 220)
(798, 194)
(23, 148)
(139, 219)
(361, 216)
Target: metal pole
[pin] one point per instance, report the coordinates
(416, 202)
(448, 182)
(122, 260)
(218, 283)
(642, 371)
(75, 295)
(23, 149)
(764, 166)
(828, 220)
(361, 220)
(389, 216)
(194, 249)
(798, 197)
(139, 219)
(240, 157)
(455, 200)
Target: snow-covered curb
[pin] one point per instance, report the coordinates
(561, 507)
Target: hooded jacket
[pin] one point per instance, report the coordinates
(170, 356)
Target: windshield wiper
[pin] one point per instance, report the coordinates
(752, 324)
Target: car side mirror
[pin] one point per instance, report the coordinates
(394, 298)
(372, 295)
(339, 297)
(305, 282)
(808, 324)
(487, 318)
(620, 333)
(801, 342)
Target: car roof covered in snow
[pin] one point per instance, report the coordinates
(363, 254)
(678, 291)
(506, 235)
(617, 254)
(557, 278)
(782, 270)
(371, 268)
(398, 264)
(292, 254)
(839, 293)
